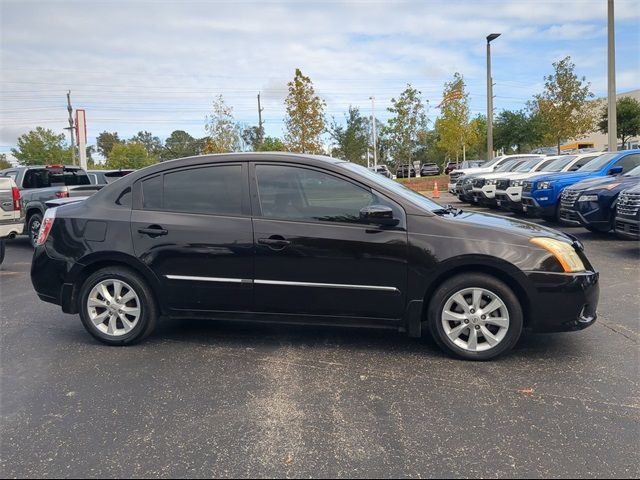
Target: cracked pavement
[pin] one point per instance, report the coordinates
(218, 399)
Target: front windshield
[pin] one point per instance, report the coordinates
(597, 163)
(559, 163)
(528, 165)
(395, 187)
(491, 163)
(508, 166)
(633, 173)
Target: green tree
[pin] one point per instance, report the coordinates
(404, 127)
(352, 138)
(564, 108)
(4, 163)
(272, 144)
(253, 137)
(151, 143)
(180, 144)
(627, 118)
(519, 130)
(305, 122)
(222, 129)
(455, 131)
(41, 146)
(129, 155)
(106, 141)
(478, 144)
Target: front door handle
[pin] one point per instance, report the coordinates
(274, 242)
(153, 231)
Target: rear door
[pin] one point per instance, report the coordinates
(192, 227)
(314, 256)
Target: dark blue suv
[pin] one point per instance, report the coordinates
(592, 203)
(541, 194)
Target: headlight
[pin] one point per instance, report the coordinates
(545, 185)
(516, 183)
(588, 198)
(563, 251)
(491, 182)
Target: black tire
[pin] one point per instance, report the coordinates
(1, 250)
(148, 310)
(33, 227)
(474, 280)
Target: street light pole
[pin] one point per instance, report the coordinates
(373, 118)
(612, 126)
(491, 37)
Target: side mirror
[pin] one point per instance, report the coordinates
(615, 171)
(378, 215)
(574, 169)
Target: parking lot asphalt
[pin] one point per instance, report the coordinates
(203, 398)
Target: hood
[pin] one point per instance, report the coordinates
(473, 171)
(563, 177)
(621, 182)
(507, 225)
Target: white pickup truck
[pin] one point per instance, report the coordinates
(11, 212)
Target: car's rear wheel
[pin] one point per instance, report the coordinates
(475, 317)
(33, 228)
(117, 307)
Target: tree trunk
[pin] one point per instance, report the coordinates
(558, 146)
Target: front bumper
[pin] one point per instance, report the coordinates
(531, 207)
(563, 302)
(627, 227)
(510, 199)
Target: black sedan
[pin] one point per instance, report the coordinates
(592, 203)
(305, 239)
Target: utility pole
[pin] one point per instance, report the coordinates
(491, 37)
(260, 127)
(375, 140)
(612, 126)
(71, 128)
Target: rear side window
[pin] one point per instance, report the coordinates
(214, 190)
(629, 162)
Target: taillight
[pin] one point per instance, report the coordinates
(15, 193)
(47, 224)
(62, 194)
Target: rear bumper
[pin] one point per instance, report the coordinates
(563, 302)
(11, 228)
(48, 278)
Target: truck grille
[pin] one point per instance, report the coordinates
(569, 197)
(453, 176)
(628, 227)
(478, 182)
(502, 184)
(527, 186)
(628, 204)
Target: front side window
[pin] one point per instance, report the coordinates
(628, 162)
(295, 193)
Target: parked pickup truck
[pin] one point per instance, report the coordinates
(40, 183)
(11, 219)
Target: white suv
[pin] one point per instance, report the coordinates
(488, 167)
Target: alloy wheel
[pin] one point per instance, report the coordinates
(475, 319)
(113, 307)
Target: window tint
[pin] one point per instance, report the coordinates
(44, 178)
(152, 193)
(629, 162)
(215, 190)
(296, 193)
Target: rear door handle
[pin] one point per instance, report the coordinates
(275, 242)
(153, 231)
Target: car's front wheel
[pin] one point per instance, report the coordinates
(117, 307)
(475, 316)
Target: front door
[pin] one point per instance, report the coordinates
(193, 229)
(314, 257)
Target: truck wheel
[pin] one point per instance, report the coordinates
(1, 250)
(33, 228)
(117, 306)
(475, 317)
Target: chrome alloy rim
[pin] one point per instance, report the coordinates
(113, 307)
(475, 319)
(35, 230)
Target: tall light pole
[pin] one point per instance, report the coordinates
(373, 121)
(491, 37)
(612, 126)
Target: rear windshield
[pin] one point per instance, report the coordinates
(47, 177)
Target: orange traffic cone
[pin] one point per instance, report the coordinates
(436, 192)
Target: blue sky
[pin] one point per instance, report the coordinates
(156, 65)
